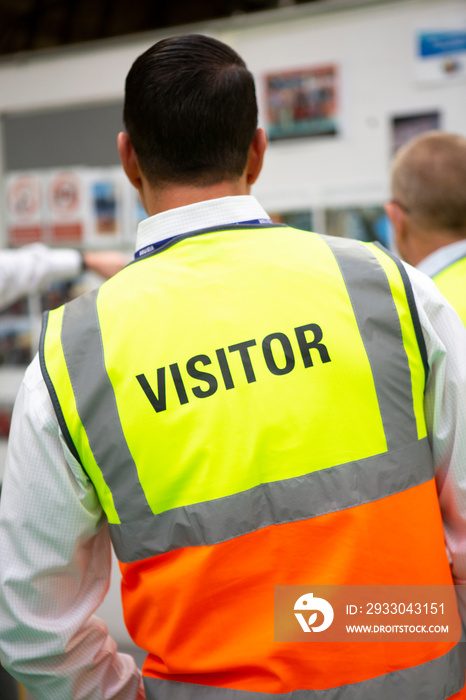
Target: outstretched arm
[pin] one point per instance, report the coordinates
(34, 267)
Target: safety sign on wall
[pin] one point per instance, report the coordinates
(77, 207)
(65, 207)
(24, 209)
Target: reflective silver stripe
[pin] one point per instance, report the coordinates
(289, 500)
(434, 680)
(379, 325)
(97, 408)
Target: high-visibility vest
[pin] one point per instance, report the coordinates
(451, 281)
(248, 404)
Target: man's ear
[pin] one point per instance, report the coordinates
(256, 156)
(398, 220)
(129, 160)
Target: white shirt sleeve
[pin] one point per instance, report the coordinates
(55, 565)
(445, 409)
(33, 268)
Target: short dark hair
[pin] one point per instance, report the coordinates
(190, 111)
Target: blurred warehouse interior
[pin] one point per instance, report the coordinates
(29, 25)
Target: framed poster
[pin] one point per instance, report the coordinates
(441, 52)
(302, 103)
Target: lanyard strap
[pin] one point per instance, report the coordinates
(158, 244)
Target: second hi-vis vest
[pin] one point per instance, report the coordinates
(451, 281)
(249, 406)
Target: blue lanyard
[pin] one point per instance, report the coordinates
(152, 247)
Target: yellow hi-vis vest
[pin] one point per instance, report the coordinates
(248, 404)
(451, 281)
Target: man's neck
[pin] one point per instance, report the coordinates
(160, 199)
(432, 241)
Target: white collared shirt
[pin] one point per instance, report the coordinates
(55, 546)
(442, 257)
(194, 217)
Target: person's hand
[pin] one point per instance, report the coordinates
(105, 262)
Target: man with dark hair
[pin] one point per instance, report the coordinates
(203, 84)
(428, 210)
(245, 406)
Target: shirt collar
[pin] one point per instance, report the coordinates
(442, 258)
(193, 217)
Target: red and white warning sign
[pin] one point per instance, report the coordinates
(65, 204)
(24, 208)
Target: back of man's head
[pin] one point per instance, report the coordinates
(429, 179)
(190, 111)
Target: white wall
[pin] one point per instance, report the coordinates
(375, 48)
